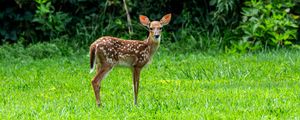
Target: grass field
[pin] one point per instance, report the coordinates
(264, 85)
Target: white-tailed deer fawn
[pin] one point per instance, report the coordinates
(107, 52)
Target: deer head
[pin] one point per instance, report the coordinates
(155, 27)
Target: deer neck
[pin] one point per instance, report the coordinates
(154, 44)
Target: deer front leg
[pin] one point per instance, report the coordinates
(136, 79)
(101, 72)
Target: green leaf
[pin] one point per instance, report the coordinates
(287, 43)
(212, 2)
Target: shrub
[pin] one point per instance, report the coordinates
(33, 51)
(50, 23)
(43, 50)
(11, 52)
(265, 25)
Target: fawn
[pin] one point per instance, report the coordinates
(107, 52)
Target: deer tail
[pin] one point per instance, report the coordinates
(92, 58)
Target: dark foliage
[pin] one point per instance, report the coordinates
(193, 21)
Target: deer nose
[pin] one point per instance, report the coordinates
(156, 36)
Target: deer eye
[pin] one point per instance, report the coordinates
(151, 28)
(160, 28)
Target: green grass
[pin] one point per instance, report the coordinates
(175, 86)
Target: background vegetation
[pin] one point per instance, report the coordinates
(227, 25)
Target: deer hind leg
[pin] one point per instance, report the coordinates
(136, 79)
(96, 82)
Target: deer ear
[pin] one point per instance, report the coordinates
(144, 20)
(166, 19)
